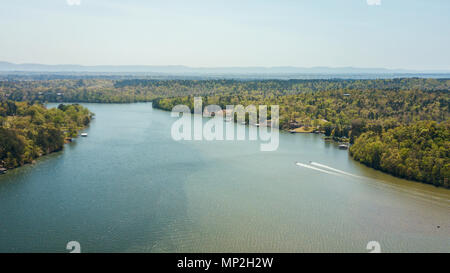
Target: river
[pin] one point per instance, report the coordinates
(129, 187)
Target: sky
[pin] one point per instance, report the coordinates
(408, 34)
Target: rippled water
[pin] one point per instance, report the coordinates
(128, 187)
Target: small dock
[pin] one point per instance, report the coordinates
(343, 146)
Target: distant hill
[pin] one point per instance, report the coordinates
(179, 69)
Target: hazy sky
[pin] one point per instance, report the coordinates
(408, 34)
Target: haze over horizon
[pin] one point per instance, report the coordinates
(375, 34)
(219, 70)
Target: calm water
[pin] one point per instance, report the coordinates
(129, 187)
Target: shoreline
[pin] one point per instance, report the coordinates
(35, 160)
(291, 131)
(343, 140)
(24, 145)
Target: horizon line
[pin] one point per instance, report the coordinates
(388, 69)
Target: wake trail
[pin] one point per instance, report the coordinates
(376, 182)
(314, 168)
(335, 170)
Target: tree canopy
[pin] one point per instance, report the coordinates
(28, 131)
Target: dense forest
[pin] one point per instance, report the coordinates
(366, 113)
(28, 131)
(420, 151)
(339, 113)
(124, 91)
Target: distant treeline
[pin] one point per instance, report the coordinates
(28, 131)
(125, 91)
(293, 86)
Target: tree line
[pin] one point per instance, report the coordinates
(419, 151)
(28, 131)
(135, 90)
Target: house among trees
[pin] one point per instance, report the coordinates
(294, 124)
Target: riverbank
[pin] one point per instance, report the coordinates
(303, 130)
(29, 131)
(4, 170)
(435, 171)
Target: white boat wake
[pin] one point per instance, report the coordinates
(334, 170)
(418, 194)
(314, 168)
